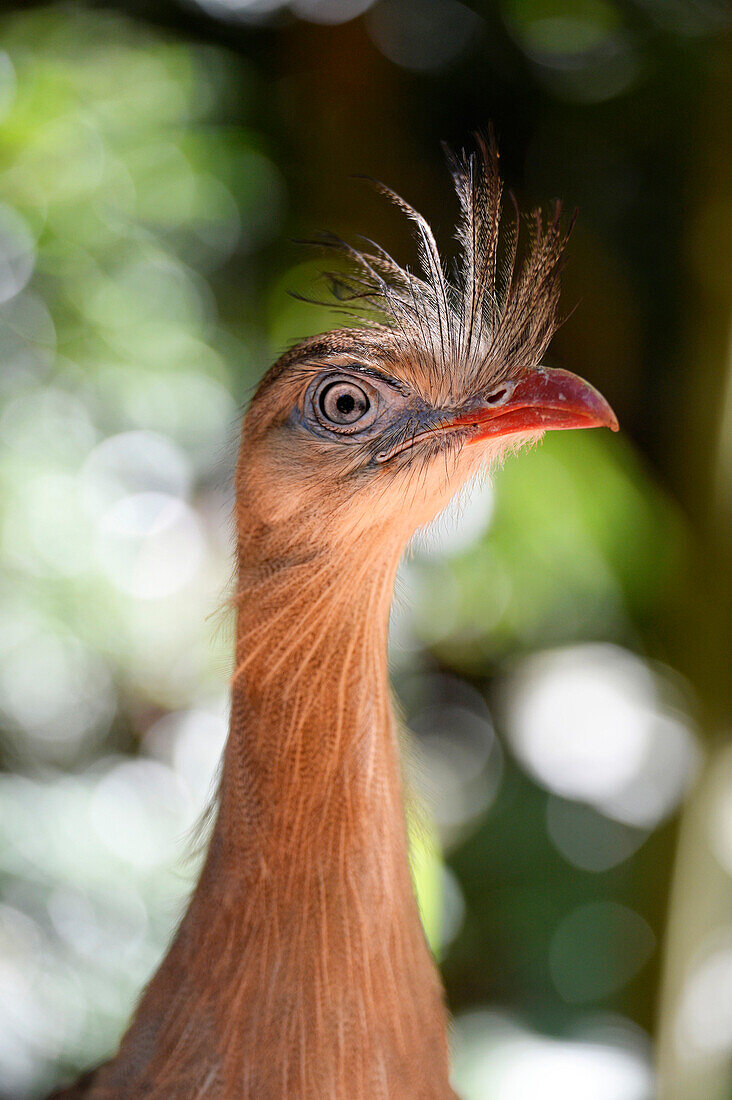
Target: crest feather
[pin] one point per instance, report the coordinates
(495, 316)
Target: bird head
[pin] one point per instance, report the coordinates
(370, 430)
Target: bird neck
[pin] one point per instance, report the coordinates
(311, 825)
(301, 968)
(312, 734)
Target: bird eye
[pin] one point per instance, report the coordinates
(346, 404)
(343, 403)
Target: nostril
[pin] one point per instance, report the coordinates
(494, 398)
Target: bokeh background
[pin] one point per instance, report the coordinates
(561, 652)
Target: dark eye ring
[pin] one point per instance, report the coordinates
(343, 405)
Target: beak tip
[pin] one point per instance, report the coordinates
(611, 420)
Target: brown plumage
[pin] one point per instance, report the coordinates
(300, 968)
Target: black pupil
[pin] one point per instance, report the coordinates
(345, 404)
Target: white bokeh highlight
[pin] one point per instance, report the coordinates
(499, 1058)
(589, 722)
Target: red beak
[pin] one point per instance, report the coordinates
(541, 399)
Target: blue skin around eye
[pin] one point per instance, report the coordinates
(383, 434)
(392, 426)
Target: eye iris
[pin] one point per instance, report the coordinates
(344, 403)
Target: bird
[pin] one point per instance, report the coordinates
(300, 968)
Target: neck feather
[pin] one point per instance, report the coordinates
(301, 963)
(312, 735)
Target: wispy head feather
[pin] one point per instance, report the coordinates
(489, 321)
